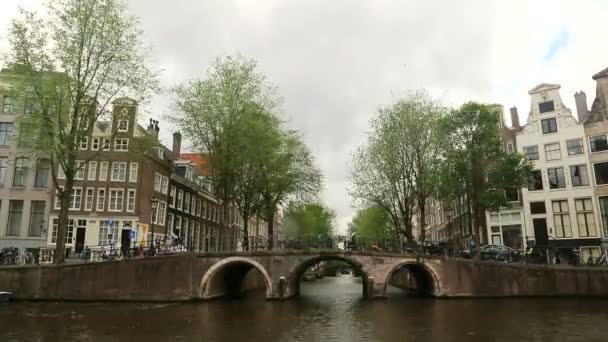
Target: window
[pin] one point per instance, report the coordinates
(95, 144)
(121, 144)
(584, 217)
(43, 168)
(15, 216)
(92, 172)
(537, 208)
(172, 197)
(75, 199)
(157, 181)
(20, 172)
(187, 202)
(30, 106)
(131, 200)
(590, 254)
(160, 213)
(531, 152)
(598, 143)
(535, 181)
(3, 167)
(198, 207)
(123, 125)
(80, 171)
(88, 200)
(116, 200)
(552, 152)
(6, 133)
(108, 232)
(119, 172)
(36, 218)
(133, 168)
(69, 232)
(180, 199)
(509, 148)
(164, 186)
(578, 174)
(575, 147)
(601, 173)
(561, 219)
(103, 171)
(101, 199)
(106, 144)
(545, 107)
(549, 125)
(512, 195)
(83, 143)
(556, 178)
(170, 222)
(604, 213)
(188, 173)
(8, 105)
(193, 206)
(178, 225)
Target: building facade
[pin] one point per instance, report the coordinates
(507, 226)
(596, 132)
(559, 210)
(120, 196)
(24, 180)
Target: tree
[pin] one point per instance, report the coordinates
(210, 112)
(476, 165)
(308, 220)
(71, 64)
(397, 169)
(258, 136)
(289, 175)
(372, 224)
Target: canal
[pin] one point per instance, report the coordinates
(328, 310)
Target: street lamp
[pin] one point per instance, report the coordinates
(153, 204)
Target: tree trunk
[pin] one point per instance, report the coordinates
(62, 224)
(270, 217)
(422, 223)
(245, 232)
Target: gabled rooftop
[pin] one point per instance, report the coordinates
(543, 87)
(601, 74)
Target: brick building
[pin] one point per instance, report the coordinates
(122, 171)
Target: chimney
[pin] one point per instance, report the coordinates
(153, 128)
(177, 145)
(581, 106)
(514, 118)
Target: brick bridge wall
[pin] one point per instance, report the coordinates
(203, 276)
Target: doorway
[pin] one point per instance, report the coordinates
(125, 239)
(540, 231)
(80, 234)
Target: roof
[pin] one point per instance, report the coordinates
(201, 161)
(601, 74)
(543, 87)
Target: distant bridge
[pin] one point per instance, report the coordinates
(209, 275)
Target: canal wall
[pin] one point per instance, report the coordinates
(467, 278)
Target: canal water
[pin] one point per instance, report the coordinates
(328, 310)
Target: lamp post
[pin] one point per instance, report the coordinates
(153, 204)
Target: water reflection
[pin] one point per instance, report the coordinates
(330, 309)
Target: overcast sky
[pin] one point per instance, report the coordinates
(336, 61)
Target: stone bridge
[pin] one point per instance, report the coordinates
(209, 275)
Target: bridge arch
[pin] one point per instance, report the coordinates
(294, 276)
(425, 278)
(225, 277)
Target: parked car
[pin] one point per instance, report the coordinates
(493, 252)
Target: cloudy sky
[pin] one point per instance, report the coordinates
(336, 61)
